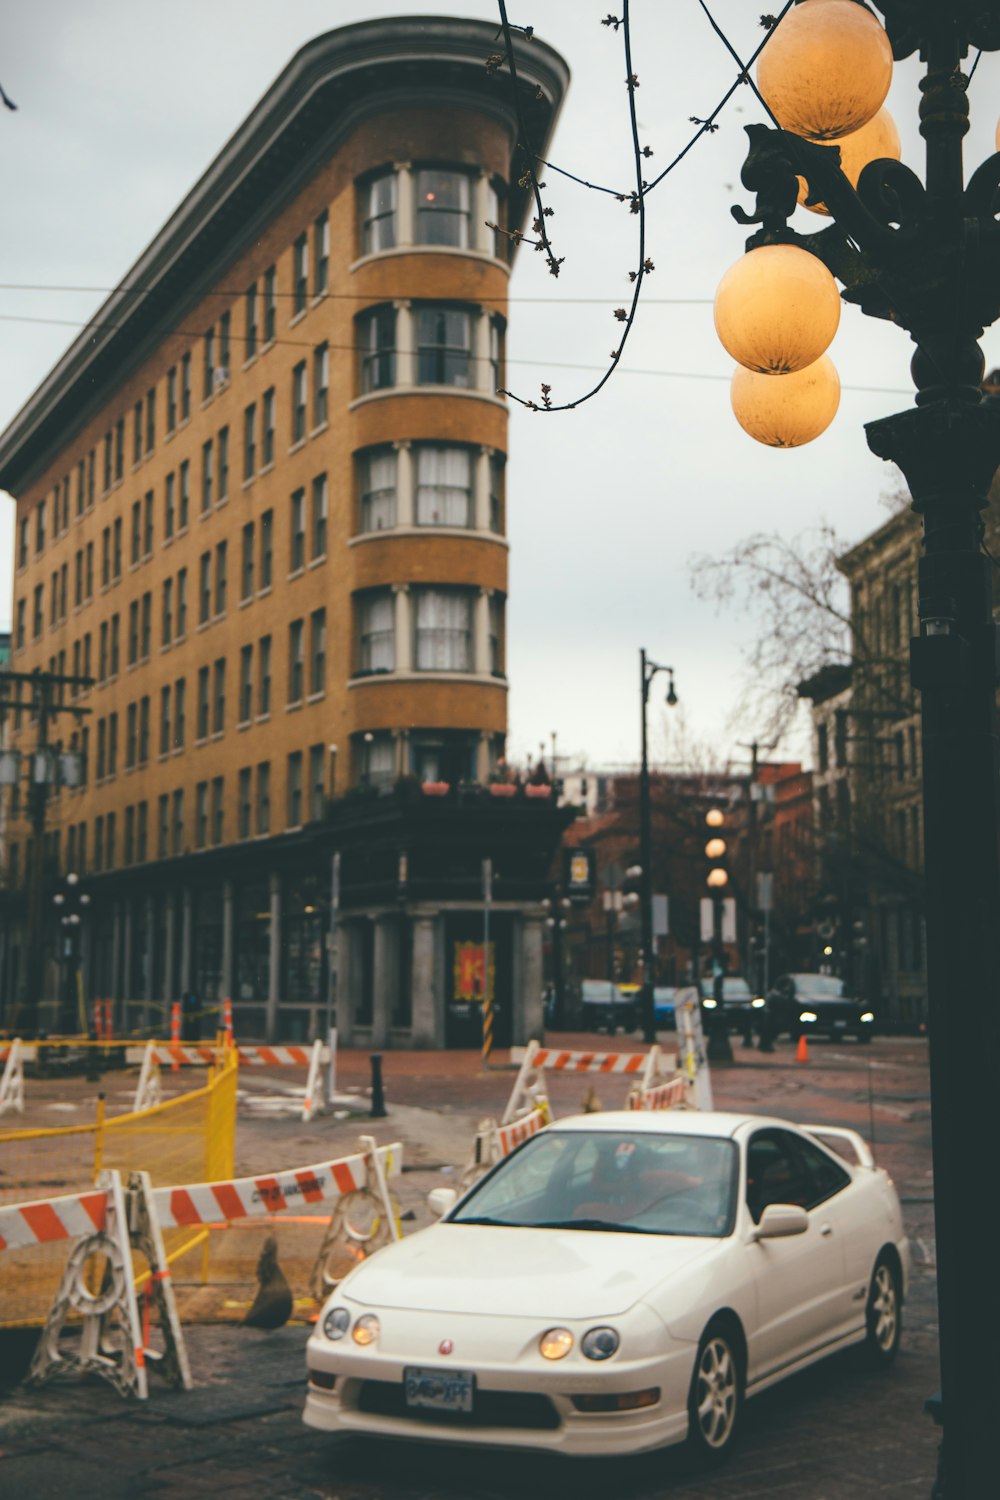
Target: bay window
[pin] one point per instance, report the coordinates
(443, 205)
(442, 630)
(444, 346)
(377, 489)
(376, 632)
(443, 487)
(378, 214)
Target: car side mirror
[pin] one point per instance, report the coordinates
(780, 1220)
(441, 1201)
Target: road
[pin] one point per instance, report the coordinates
(837, 1432)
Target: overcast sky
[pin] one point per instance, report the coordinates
(122, 106)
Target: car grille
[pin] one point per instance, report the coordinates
(385, 1398)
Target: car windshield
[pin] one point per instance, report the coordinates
(823, 986)
(628, 1182)
(735, 989)
(600, 990)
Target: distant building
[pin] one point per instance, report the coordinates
(261, 501)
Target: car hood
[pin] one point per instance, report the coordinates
(543, 1273)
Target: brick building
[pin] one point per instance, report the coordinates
(262, 503)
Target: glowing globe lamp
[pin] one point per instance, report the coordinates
(826, 69)
(789, 412)
(879, 138)
(777, 309)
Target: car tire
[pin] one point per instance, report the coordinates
(715, 1400)
(883, 1314)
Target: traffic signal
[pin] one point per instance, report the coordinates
(716, 851)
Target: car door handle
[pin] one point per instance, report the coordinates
(826, 1229)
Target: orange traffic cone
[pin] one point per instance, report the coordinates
(802, 1051)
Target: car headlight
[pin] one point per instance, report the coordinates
(867, 1016)
(758, 1004)
(599, 1343)
(366, 1329)
(555, 1344)
(336, 1323)
(807, 1015)
(709, 1004)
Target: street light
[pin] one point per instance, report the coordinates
(71, 905)
(925, 256)
(647, 1007)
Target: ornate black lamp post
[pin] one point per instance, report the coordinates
(71, 904)
(927, 257)
(647, 1008)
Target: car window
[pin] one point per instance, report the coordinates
(785, 1168)
(629, 1181)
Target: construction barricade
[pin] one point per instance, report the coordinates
(644, 1068)
(670, 1095)
(312, 1099)
(493, 1142)
(12, 1083)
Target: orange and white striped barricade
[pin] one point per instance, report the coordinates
(148, 1092)
(227, 1020)
(529, 1087)
(493, 1142)
(670, 1095)
(99, 1020)
(109, 1012)
(12, 1083)
(175, 1035)
(111, 1343)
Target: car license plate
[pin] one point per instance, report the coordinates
(439, 1390)
(840, 1025)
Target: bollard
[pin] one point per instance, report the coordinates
(378, 1109)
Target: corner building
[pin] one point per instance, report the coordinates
(261, 502)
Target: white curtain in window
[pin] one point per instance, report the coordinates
(443, 632)
(378, 635)
(444, 487)
(380, 759)
(378, 491)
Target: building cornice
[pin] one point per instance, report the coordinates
(329, 84)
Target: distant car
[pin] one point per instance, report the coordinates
(619, 1283)
(817, 1004)
(663, 1004)
(606, 1006)
(740, 1003)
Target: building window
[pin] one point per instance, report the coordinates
(40, 527)
(377, 760)
(250, 441)
(264, 797)
(163, 825)
(89, 571)
(317, 651)
(264, 676)
(443, 630)
(377, 342)
(143, 730)
(245, 705)
(378, 214)
(22, 543)
(225, 325)
(38, 612)
(146, 626)
(319, 516)
(444, 346)
(115, 658)
(180, 712)
(119, 449)
(377, 489)
(147, 526)
(270, 303)
(20, 638)
(321, 384)
(137, 432)
(108, 452)
(208, 365)
(443, 201)
(498, 470)
(377, 632)
(219, 697)
(294, 790)
(131, 735)
(116, 570)
(266, 549)
(184, 495)
(178, 821)
(297, 546)
(223, 464)
(204, 588)
(244, 803)
(300, 273)
(172, 398)
(202, 717)
(497, 351)
(201, 815)
(267, 412)
(296, 660)
(250, 338)
(496, 632)
(321, 254)
(207, 451)
(246, 562)
(218, 790)
(150, 420)
(112, 744)
(182, 581)
(299, 402)
(169, 508)
(220, 578)
(165, 720)
(185, 387)
(128, 853)
(444, 487)
(317, 782)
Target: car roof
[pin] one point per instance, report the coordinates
(708, 1122)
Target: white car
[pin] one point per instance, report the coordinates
(620, 1282)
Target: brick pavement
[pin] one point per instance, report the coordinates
(837, 1432)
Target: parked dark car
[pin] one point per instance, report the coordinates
(606, 1006)
(742, 1006)
(817, 1004)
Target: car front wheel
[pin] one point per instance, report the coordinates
(716, 1395)
(883, 1320)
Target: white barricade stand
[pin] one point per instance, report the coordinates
(112, 1343)
(12, 1083)
(670, 1095)
(693, 1053)
(363, 1220)
(148, 1092)
(493, 1142)
(316, 1100)
(642, 1067)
